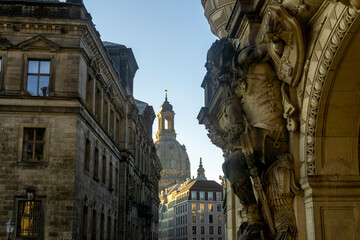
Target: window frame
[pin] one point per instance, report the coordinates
(218, 196)
(42, 57)
(2, 68)
(201, 195)
(30, 196)
(45, 161)
(193, 195)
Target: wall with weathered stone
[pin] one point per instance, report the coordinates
(53, 179)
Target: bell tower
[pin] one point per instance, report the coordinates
(166, 121)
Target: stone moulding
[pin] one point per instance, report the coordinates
(344, 22)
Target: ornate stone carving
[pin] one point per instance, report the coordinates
(286, 48)
(355, 4)
(281, 188)
(250, 127)
(347, 18)
(286, 44)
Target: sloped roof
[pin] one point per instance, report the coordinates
(200, 185)
(141, 106)
(111, 44)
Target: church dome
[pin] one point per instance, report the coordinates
(173, 157)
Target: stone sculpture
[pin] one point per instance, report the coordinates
(253, 127)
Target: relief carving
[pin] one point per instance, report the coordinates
(355, 4)
(251, 126)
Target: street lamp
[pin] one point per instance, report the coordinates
(10, 225)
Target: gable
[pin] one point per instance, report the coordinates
(38, 42)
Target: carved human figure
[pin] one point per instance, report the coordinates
(253, 127)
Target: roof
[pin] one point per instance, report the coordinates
(195, 185)
(111, 44)
(141, 106)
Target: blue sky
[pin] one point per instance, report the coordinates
(169, 39)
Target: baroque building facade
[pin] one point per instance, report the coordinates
(192, 210)
(173, 157)
(281, 101)
(77, 159)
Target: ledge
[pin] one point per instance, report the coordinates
(331, 188)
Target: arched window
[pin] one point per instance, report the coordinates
(167, 123)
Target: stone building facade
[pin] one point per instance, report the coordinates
(192, 210)
(77, 159)
(173, 157)
(281, 99)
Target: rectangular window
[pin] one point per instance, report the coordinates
(115, 235)
(89, 92)
(202, 207)
(105, 116)
(210, 207)
(116, 180)
(211, 229)
(85, 222)
(194, 230)
(194, 218)
(33, 145)
(98, 103)
(94, 224)
(211, 219)
(218, 196)
(102, 225)
(202, 195)
(38, 77)
(110, 177)
(112, 116)
(210, 196)
(193, 207)
(219, 218)
(218, 206)
(202, 230)
(117, 130)
(109, 228)
(103, 170)
(202, 218)
(87, 155)
(219, 230)
(193, 195)
(30, 219)
(96, 164)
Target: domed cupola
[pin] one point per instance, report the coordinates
(166, 120)
(173, 157)
(166, 106)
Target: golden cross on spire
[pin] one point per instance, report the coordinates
(165, 94)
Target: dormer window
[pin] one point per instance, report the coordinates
(38, 77)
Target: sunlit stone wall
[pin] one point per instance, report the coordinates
(217, 12)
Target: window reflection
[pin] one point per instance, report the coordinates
(33, 144)
(38, 77)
